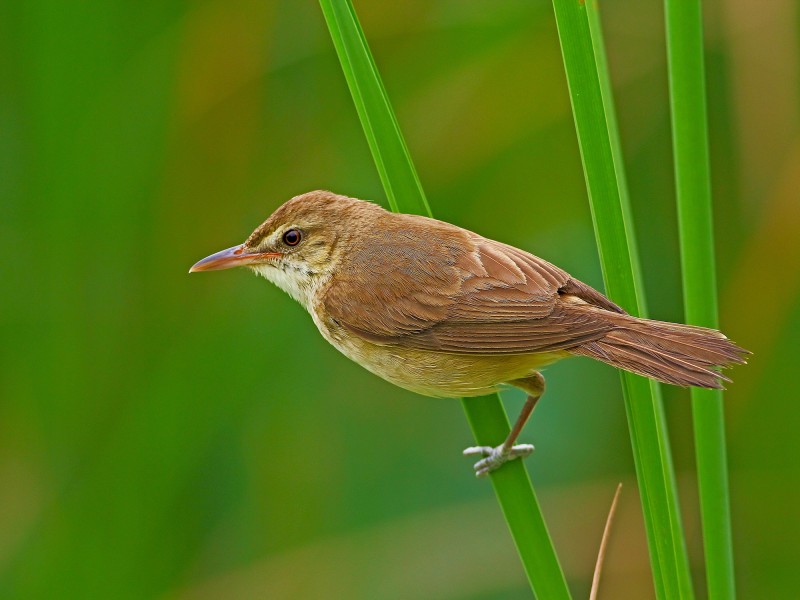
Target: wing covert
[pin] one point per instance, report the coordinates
(460, 293)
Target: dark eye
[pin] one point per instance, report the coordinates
(292, 237)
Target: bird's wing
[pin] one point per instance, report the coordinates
(462, 293)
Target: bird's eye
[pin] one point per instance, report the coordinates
(292, 237)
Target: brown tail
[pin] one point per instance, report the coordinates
(677, 354)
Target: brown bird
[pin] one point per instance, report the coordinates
(442, 311)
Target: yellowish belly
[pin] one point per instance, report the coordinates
(451, 375)
(437, 374)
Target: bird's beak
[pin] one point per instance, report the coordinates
(232, 257)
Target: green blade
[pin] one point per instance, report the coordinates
(397, 173)
(588, 80)
(692, 182)
(486, 415)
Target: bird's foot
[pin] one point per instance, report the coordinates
(496, 457)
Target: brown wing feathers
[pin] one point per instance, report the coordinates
(490, 298)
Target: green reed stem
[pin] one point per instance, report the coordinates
(692, 180)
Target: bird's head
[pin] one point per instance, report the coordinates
(301, 243)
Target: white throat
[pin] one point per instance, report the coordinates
(297, 282)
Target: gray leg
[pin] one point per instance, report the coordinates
(495, 457)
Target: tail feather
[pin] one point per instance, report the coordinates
(672, 353)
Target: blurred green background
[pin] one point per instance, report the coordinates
(177, 437)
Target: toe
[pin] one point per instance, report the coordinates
(481, 473)
(478, 451)
(484, 467)
(522, 450)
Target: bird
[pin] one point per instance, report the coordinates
(444, 312)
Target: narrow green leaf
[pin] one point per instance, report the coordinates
(590, 93)
(397, 173)
(598, 44)
(486, 415)
(693, 187)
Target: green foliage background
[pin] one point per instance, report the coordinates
(193, 437)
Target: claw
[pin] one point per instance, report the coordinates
(496, 457)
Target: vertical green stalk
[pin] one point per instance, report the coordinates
(598, 44)
(590, 94)
(692, 181)
(486, 415)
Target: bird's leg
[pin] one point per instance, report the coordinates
(495, 457)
